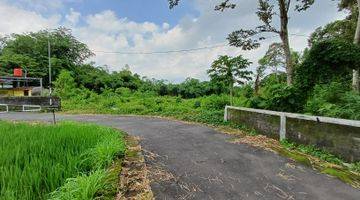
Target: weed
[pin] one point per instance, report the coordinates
(314, 151)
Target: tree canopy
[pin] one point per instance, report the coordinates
(327, 61)
(30, 51)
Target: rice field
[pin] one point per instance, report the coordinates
(65, 161)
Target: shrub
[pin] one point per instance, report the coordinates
(334, 100)
(126, 92)
(280, 97)
(197, 104)
(256, 102)
(215, 102)
(65, 85)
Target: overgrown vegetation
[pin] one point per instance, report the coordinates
(66, 161)
(326, 66)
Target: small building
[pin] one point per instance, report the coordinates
(19, 85)
(16, 92)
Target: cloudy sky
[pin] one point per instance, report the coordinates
(149, 26)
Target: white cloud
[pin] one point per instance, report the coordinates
(73, 17)
(17, 20)
(166, 26)
(104, 31)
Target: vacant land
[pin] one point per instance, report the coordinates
(66, 161)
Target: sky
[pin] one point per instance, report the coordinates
(150, 26)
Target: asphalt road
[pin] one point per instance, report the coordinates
(197, 162)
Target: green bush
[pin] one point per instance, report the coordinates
(197, 104)
(215, 102)
(334, 100)
(123, 91)
(65, 85)
(256, 102)
(280, 97)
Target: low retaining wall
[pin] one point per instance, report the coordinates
(338, 136)
(43, 102)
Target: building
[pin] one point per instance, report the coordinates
(19, 85)
(16, 92)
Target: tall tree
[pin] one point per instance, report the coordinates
(354, 7)
(247, 40)
(340, 29)
(260, 72)
(230, 70)
(274, 57)
(30, 50)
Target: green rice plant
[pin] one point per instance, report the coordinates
(102, 155)
(36, 159)
(86, 186)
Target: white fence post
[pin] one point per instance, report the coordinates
(282, 127)
(226, 114)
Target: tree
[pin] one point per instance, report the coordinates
(274, 58)
(260, 72)
(65, 86)
(356, 72)
(327, 61)
(339, 29)
(230, 71)
(346, 29)
(246, 38)
(30, 50)
(354, 7)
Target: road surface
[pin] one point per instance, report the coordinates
(197, 162)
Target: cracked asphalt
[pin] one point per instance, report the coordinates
(198, 162)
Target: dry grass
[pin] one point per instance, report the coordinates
(134, 181)
(269, 144)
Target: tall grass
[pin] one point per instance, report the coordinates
(208, 109)
(35, 160)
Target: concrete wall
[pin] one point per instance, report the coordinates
(338, 136)
(43, 102)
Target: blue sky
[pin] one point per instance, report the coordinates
(149, 25)
(156, 11)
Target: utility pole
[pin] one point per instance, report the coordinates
(50, 87)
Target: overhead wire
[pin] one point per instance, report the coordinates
(180, 50)
(162, 52)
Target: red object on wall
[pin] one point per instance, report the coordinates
(18, 72)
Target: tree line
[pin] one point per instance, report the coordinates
(267, 11)
(321, 78)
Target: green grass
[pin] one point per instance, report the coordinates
(208, 109)
(314, 151)
(35, 160)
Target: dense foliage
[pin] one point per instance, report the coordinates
(327, 61)
(31, 52)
